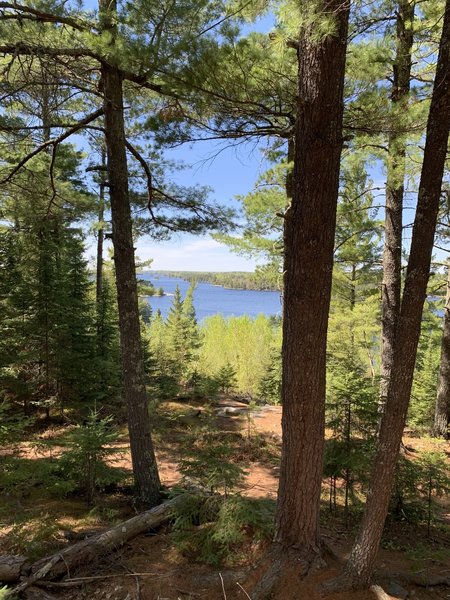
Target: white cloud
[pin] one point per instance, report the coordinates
(204, 244)
(203, 254)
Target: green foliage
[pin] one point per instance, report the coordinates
(241, 342)
(404, 505)
(83, 464)
(435, 479)
(220, 354)
(270, 387)
(172, 347)
(422, 556)
(418, 480)
(5, 592)
(226, 378)
(146, 288)
(210, 466)
(56, 355)
(423, 395)
(194, 509)
(106, 387)
(213, 529)
(12, 425)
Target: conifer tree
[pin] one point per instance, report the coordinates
(182, 335)
(360, 565)
(142, 454)
(92, 58)
(442, 403)
(308, 258)
(396, 168)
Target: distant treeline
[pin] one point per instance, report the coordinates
(238, 280)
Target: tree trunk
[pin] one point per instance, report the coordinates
(143, 458)
(392, 253)
(101, 232)
(442, 409)
(308, 262)
(359, 568)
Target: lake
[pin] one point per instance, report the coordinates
(212, 299)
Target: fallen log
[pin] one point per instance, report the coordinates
(91, 549)
(11, 568)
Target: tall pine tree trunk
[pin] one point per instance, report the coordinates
(143, 458)
(360, 565)
(308, 263)
(101, 232)
(442, 409)
(392, 253)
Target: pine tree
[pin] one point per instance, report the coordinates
(182, 335)
(309, 246)
(359, 568)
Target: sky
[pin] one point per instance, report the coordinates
(232, 172)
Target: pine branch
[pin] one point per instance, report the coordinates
(146, 169)
(38, 15)
(53, 143)
(22, 49)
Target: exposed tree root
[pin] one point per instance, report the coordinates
(419, 579)
(279, 561)
(345, 583)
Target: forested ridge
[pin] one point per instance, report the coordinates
(145, 456)
(236, 280)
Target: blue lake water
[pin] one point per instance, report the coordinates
(212, 299)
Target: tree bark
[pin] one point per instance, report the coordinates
(359, 568)
(392, 253)
(442, 409)
(309, 240)
(100, 233)
(142, 454)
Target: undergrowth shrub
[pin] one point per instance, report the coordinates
(12, 425)
(211, 467)
(416, 480)
(83, 465)
(215, 529)
(21, 478)
(435, 481)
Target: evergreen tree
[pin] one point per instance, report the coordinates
(361, 562)
(182, 335)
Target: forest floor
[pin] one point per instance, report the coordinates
(152, 567)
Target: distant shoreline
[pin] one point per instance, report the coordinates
(232, 280)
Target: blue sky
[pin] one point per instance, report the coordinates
(231, 172)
